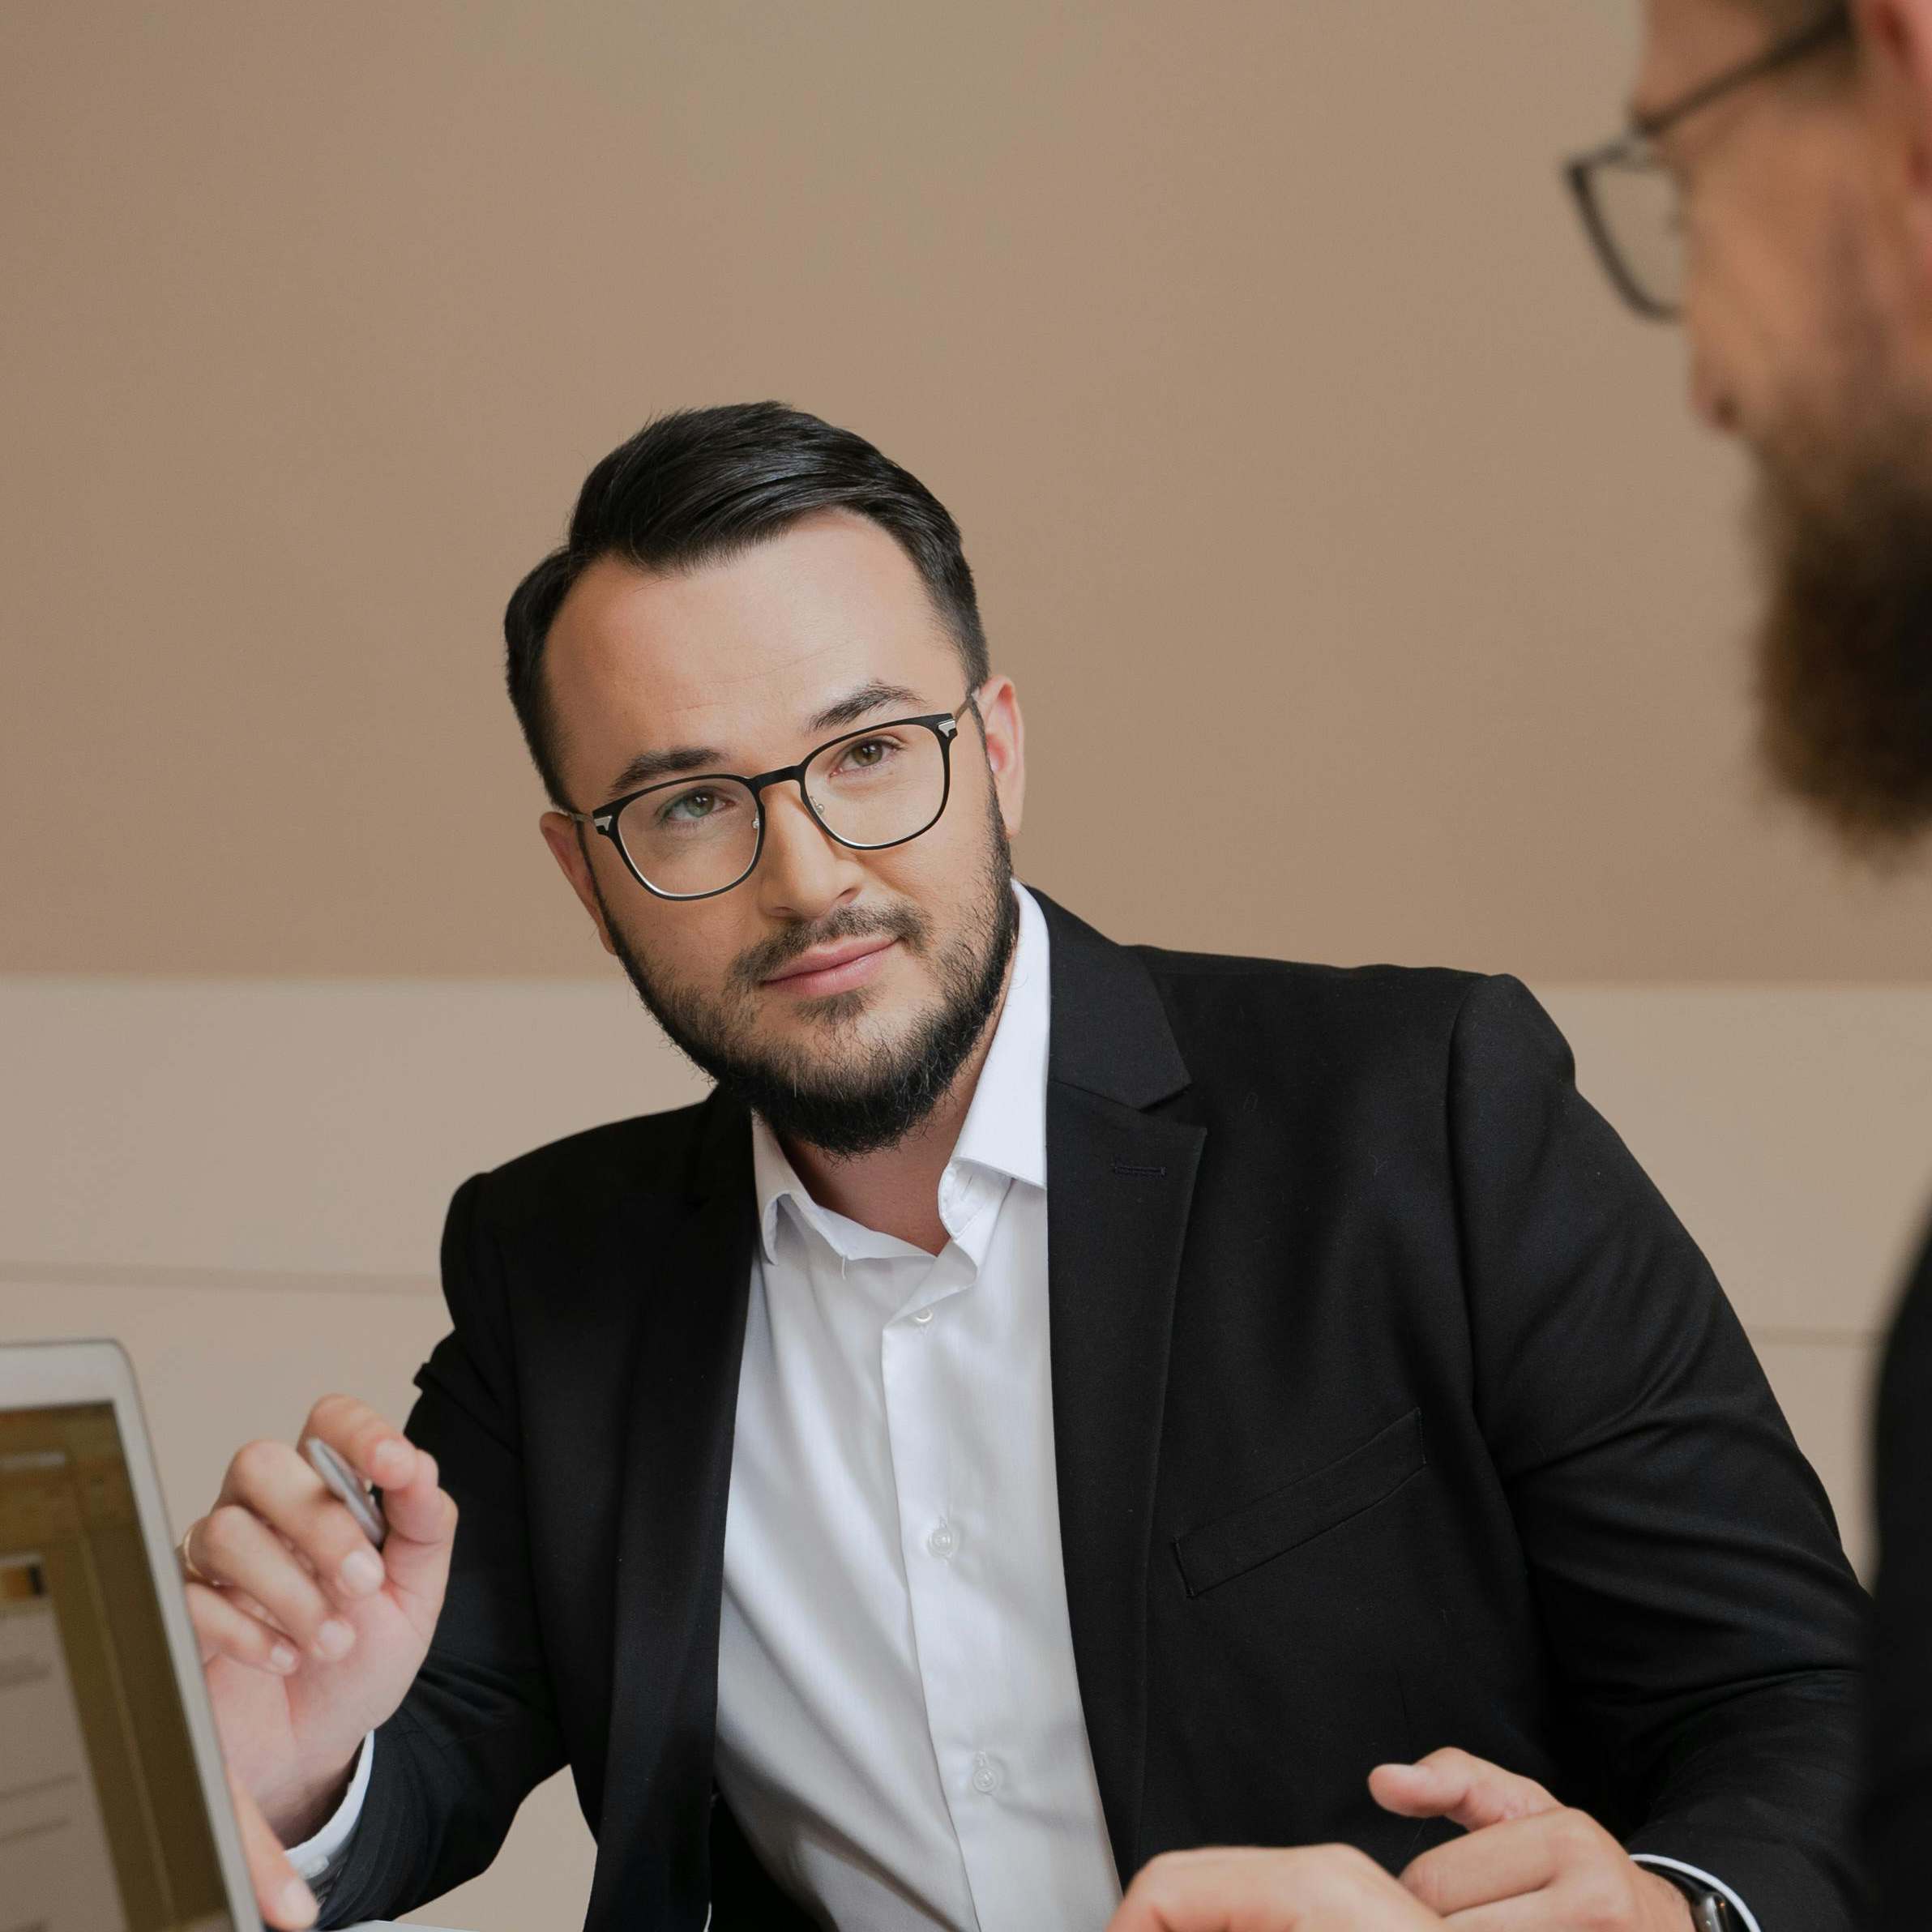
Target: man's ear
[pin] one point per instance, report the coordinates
(1005, 732)
(565, 838)
(1895, 43)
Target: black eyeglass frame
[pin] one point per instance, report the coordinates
(1635, 149)
(943, 725)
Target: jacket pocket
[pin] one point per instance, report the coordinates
(1284, 1518)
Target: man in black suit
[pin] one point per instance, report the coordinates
(1775, 191)
(1373, 1413)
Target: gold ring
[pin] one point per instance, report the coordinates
(191, 1570)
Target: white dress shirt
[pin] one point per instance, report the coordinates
(900, 1729)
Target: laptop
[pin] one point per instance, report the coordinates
(114, 1812)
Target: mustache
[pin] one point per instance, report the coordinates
(903, 923)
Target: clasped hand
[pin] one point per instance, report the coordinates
(1527, 1864)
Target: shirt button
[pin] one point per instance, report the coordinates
(985, 1774)
(943, 1541)
(924, 1316)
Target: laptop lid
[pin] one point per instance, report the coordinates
(114, 1812)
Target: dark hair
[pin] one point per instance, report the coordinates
(699, 485)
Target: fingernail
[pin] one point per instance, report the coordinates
(296, 1903)
(392, 1454)
(335, 1638)
(283, 1659)
(361, 1571)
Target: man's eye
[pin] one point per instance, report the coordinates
(689, 805)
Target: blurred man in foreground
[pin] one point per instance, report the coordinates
(1774, 192)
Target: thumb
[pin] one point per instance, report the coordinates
(1470, 1790)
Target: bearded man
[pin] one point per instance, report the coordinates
(1057, 1410)
(1774, 192)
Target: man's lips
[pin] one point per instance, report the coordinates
(834, 968)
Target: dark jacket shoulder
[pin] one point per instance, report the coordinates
(648, 1154)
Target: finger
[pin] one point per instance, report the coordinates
(1500, 1861)
(368, 1442)
(284, 1899)
(1532, 1912)
(225, 1630)
(234, 1546)
(420, 1511)
(273, 1482)
(1455, 1784)
(1313, 1888)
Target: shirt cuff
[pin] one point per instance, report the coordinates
(314, 1857)
(1703, 1877)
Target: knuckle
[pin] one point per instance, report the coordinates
(224, 1533)
(1156, 1881)
(331, 1413)
(255, 1464)
(1423, 1879)
(1341, 1862)
(1576, 1833)
(1344, 1870)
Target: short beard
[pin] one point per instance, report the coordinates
(887, 1091)
(1844, 659)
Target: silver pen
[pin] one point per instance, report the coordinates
(344, 1483)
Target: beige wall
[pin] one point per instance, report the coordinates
(1370, 595)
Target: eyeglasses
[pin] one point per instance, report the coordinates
(1629, 199)
(693, 838)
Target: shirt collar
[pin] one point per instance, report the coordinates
(1005, 1128)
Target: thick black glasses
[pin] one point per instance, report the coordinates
(693, 838)
(1629, 199)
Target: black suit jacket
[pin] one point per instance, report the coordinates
(1393, 1408)
(1898, 1801)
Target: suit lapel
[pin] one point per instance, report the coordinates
(683, 1401)
(1120, 1181)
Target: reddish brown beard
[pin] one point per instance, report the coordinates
(1845, 651)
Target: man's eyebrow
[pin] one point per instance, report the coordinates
(855, 704)
(648, 767)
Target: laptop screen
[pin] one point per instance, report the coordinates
(103, 1824)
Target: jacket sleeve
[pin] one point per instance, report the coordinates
(1898, 1810)
(478, 1729)
(1703, 1626)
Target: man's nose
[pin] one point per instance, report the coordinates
(803, 871)
(1709, 396)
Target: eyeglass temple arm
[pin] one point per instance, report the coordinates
(1836, 20)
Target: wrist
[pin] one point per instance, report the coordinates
(1666, 1908)
(297, 1811)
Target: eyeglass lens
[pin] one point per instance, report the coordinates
(1641, 223)
(879, 787)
